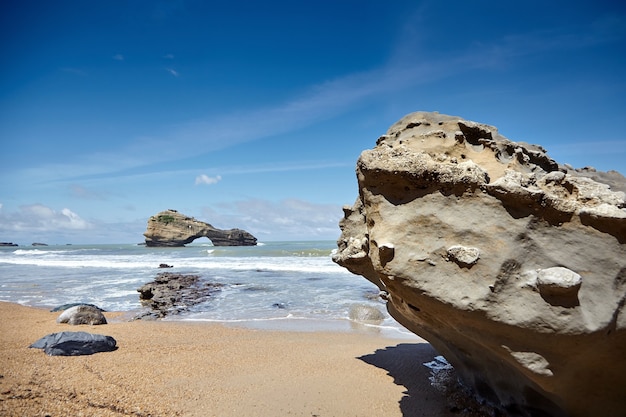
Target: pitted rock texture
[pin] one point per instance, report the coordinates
(171, 228)
(511, 265)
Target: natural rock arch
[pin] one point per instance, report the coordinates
(170, 228)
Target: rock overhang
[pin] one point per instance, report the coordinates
(469, 232)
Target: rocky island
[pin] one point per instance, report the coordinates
(511, 265)
(170, 228)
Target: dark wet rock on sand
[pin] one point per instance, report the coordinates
(75, 344)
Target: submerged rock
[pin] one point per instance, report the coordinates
(511, 265)
(75, 344)
(171, 228)
(365, 314)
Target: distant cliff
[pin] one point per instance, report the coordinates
(170, 228)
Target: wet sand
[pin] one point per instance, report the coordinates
(202, 369)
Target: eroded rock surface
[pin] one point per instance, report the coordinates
(171, 228)
(511, 265)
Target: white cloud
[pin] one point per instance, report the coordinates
(41, 218)
(118, 57)
(205, 179)
(168, 56)
(173, 72)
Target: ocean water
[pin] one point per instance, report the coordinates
(283, 285)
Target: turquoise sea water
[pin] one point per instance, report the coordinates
(274, 282)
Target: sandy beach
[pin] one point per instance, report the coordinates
(201, 369)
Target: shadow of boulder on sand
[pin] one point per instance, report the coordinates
(427, 394)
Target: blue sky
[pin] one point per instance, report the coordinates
(252, 114)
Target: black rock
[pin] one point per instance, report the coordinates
(75, 344)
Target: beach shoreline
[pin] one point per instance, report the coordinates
(165, 368)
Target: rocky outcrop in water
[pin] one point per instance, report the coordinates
(171, 228)
(511, 265)
(171, 294)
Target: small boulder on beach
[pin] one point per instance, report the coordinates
(82, 314)
(66, 306)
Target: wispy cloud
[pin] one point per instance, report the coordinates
(75, 71)
(84, 193)
(118, 57)
(318, 102)
(281, 220)
(168, 56)
(206, 180)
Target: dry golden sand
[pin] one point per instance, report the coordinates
(200, 369)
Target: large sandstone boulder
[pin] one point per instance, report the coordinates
(171, 228)
(511, 265)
